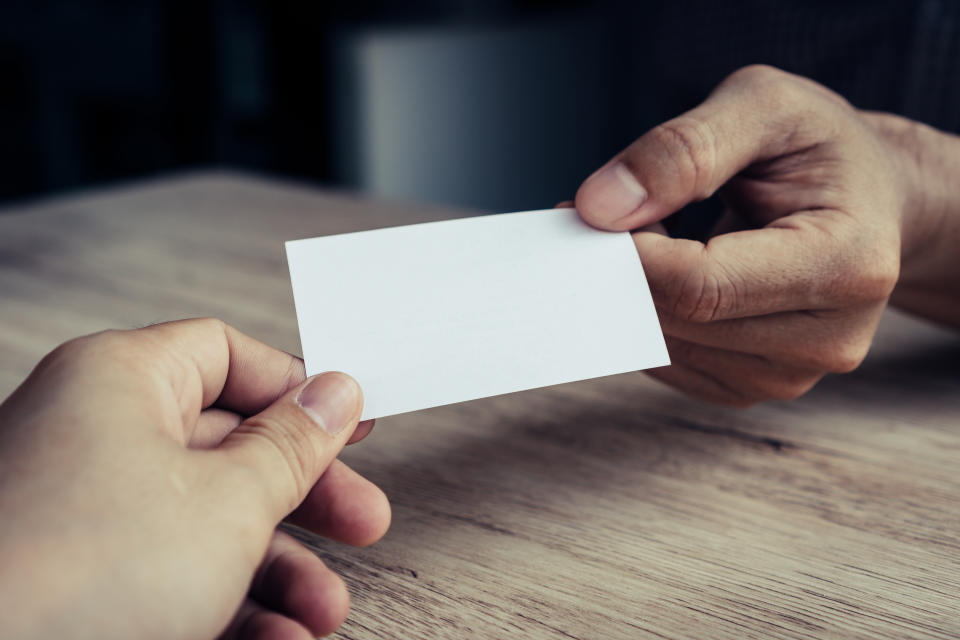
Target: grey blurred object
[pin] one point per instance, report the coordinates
(481, 117)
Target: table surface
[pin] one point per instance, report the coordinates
(612, 508)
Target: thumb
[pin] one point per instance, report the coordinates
(745, 120)
(290, 444)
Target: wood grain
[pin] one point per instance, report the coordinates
(613, 508)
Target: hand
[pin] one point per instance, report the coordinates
(142, 476)
(821, 203)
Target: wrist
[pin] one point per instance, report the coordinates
(928, 166)
(926, 170)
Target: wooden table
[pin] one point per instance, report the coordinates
(614, 508)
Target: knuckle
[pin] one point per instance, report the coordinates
(792, 389)
(756, 74)
(704, 297)
(766, 83)
(209, 322)
(848, 358)
(692, 146)
(801, 106)
(864, 266)
(109, 343)
(207, 325)
(94, 355)
(69, 351)
(866, 270)
(843, 357)
(215, 323)
(109, 340)
(878, 276)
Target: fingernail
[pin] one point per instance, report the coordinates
(614, 191)
(331, 400)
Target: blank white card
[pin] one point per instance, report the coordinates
(443, 312)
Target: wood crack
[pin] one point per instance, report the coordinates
(777, 444)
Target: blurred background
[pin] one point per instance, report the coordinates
(493, 105)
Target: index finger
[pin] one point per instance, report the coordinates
(792, 264)
(217, 364)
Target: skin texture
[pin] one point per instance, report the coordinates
(830, 211)
(143, 475)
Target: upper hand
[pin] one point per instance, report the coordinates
(792, 283)
(142, 476)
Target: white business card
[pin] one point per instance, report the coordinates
(431, 314)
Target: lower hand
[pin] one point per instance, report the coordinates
(142, 477)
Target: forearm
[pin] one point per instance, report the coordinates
(929, 283)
